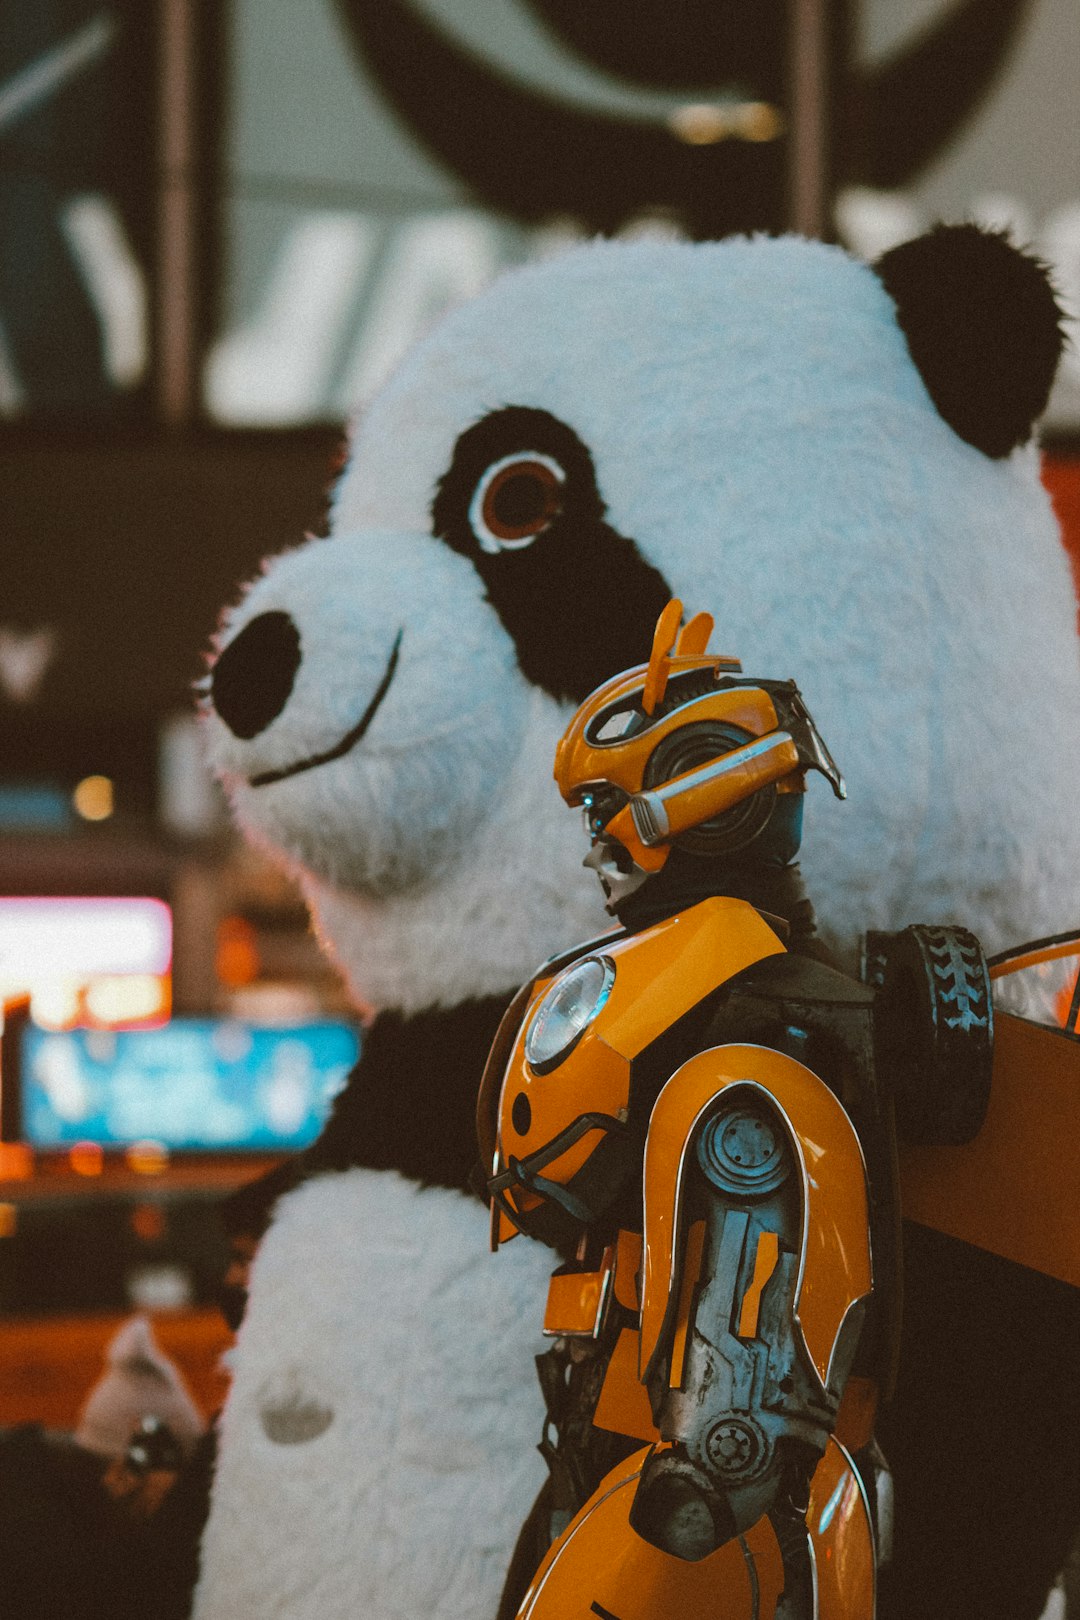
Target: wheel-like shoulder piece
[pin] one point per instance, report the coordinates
(935, 1030)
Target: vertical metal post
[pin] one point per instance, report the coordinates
(176, 322)
(197, 908)
(808, 140)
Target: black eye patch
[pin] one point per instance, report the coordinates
(578, 599)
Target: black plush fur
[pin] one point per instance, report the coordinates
(982, 326)
(580, 602)
(408, 1105)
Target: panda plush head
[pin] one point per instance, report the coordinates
(825, 455)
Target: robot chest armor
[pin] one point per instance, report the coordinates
(566, 1087)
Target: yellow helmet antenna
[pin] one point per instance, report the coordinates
(664, 638)
(694, 637)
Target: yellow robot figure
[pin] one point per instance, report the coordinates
(687, 1110)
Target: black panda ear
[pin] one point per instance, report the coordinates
(982, 326)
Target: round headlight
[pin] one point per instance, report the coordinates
(566, 1011)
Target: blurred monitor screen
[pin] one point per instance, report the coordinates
(198, 1084)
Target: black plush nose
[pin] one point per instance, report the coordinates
(251, 681)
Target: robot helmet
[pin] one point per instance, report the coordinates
(686, 752)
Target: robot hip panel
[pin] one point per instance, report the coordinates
(600, 1567)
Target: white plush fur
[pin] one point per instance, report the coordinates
(760, 431)
(498, 911)
(370, 1302)
(439, 860)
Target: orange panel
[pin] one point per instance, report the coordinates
(627, 1269)
(843, 1538)
(599, 1566)
(650, 857)
(592, 1079)
(575, 1300)
(691, 1271)
(693, 797)
(664, 637)
(768, 1252)
(1041, 953)
(694, 636)
(858, 1410)
(578, 761)
(669, 968)
(487, 1098)
(659, 974)
(1014, 1190)
(623, 1407)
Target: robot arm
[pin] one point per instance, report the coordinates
(757, 1263)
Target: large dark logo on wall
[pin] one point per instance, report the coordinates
(532, 154)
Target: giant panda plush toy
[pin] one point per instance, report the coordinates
(833, 459)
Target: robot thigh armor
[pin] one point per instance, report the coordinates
(822, 1566)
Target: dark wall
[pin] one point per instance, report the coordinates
(128, 548)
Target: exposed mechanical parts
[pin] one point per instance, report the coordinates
(741, 1151)
(736, 1448)
(744, 1387)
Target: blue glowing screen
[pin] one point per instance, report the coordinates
(201, 1084)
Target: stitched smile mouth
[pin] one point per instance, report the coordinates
(350, 739)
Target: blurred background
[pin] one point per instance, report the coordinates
(221, 223)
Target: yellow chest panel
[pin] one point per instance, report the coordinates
(659, 975)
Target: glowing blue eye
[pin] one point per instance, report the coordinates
(566, 1011)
